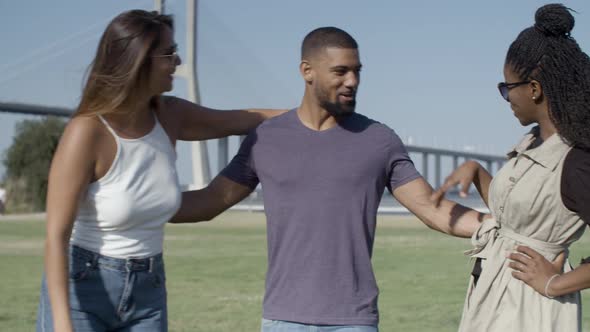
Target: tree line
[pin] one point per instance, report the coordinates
(27, 162)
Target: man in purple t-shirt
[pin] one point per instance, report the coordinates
(323, 170)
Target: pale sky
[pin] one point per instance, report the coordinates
(430, 68)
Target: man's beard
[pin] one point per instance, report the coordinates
(337, 109)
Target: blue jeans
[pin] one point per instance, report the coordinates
(111, 294)
(283, 326)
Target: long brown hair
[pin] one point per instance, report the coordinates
(118, 75)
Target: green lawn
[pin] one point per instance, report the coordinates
(216, 272)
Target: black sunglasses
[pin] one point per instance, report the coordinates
(504, 88)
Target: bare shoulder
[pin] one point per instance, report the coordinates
(84, 128)
(73, 164)
(171, 101)
(170, 115)
(83, 134)
(171, 106)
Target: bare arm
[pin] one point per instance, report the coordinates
(207, 203)
(572, 281)
(446, 216)
(469, 172)
(71, 171)
(196, 122)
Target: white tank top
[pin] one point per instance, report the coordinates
(123, 213)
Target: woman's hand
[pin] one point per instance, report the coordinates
(464, 176)
(534, 270)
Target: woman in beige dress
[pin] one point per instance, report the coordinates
(539, 200)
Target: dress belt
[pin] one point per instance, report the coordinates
(490, 230)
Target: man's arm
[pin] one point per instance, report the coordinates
(207, 203)
(447, 216)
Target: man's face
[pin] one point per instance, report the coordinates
(336, 77)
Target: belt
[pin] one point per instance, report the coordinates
(490, 230)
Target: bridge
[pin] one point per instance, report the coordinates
(424, 156)
(433, 161)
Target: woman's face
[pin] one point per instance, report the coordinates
(164, 62)
(521, 99)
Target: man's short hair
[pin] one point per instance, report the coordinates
(324, 37)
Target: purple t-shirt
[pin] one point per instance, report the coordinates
(321, 193)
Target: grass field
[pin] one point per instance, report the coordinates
(215, 274)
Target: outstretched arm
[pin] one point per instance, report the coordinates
(207, 203)
(446, 216)
(469, 172)
(196, 122)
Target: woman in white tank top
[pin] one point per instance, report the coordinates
(113, 183)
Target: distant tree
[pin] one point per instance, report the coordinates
(27, 163)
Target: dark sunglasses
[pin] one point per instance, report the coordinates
(504, 88)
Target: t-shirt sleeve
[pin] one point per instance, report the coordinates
(575, 183)
(241, 168)
(401, 168)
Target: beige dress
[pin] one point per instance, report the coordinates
(526, 205)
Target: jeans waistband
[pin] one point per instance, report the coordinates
(123, 264)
